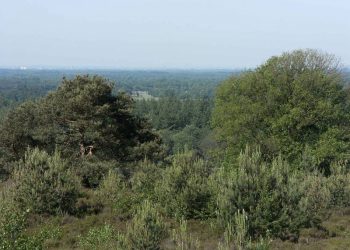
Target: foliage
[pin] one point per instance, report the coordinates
(12, 226)
(236, 235)
(181, 122)
(92, 170)
(44, 183)
(293, 109)
(182, 190)
(144, 178)
(339, 185)
(13, 233)
(102, 238)
(115, 193)
(290, 102)
(316, 197)
(273, 195)
(182, 239)
(147, 229)
(81, 118)
(174, 113)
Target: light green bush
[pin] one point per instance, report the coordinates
(115, 192)
(182, 190)
(339, 185)
(147, 229)
(12, 226)
(91, 170)
(144, 179)
(13, 231)
(236, 235)
(144, 232)
(111, 188)
(102, 238)
(44, 183)
(274, 196)
(182, 239)
(316, 197)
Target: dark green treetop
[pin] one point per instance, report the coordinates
(82, 117)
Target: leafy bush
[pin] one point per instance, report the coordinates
(144, 232)
(236, 235)
(114, 192)
(44, 184)
(276, 199)
(12, 227)
(88, 203)
(92, 171)
(144, 179)
(182, 190)
(13, 232)
(339, 185)
(102, 238)
(182, 239)
(316, 196)
(147, 229)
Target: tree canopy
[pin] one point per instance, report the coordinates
(82, 117)
(291, 102)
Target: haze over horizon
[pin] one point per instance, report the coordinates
(167, 34)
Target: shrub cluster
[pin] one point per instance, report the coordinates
(182, 189)
(145, 231)
(45, 184)
(13, 227)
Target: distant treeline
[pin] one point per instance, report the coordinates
(157, 83)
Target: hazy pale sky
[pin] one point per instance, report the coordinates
(167, 33)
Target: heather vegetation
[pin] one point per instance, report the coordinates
(254, 166)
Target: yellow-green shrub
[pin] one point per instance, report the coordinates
(339, 185)
(273, 195)
(182, 189)
(147, 229)
(182, 239)
(102, 238)
(13, 227)
(45, 184)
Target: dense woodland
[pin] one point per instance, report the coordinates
(251, 159)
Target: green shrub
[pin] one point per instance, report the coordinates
(182, 239)
(88, 203)
(13, 232)
(274, 197)
(92, 171)
(182, 190)
(102, 238)
(339, 185)
(115, 193)
(144, 179)
(236, 235)
(12, 226)
(144, 232)
(316, 197)
(44, 184)
(147, 229)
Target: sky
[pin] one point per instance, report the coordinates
(167, 34)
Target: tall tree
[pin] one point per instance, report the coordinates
(290, 102)
(82, 117)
